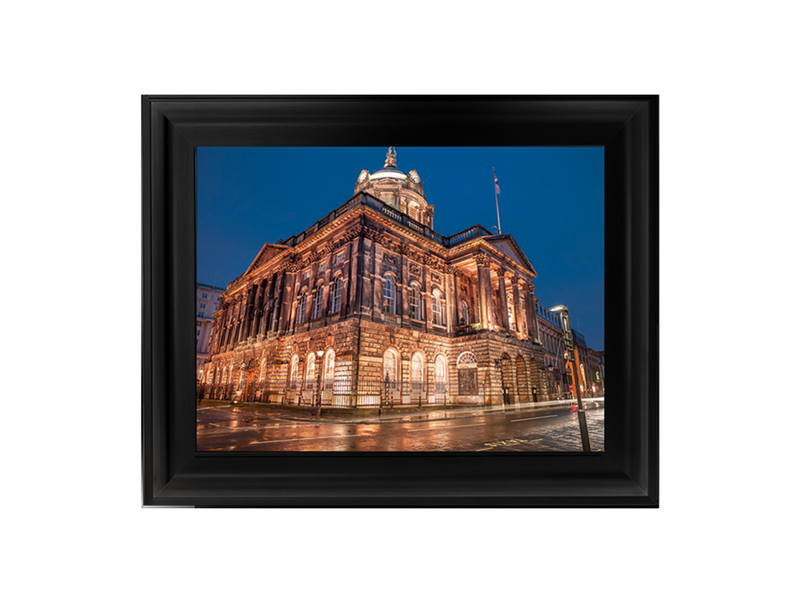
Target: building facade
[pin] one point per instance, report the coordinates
(370, 305)
(207, 300)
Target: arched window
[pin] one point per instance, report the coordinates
(440, 374)
(438, 308)
(309, 371)
(210, 375)
(389, 363)
(417, 372)
(302, 309)
(225, 375)
(467, 358)
(389, 295)
(294, 372)
(464, 313)
(317, 301)
(335, 296)
(415, 300)
(329, 366)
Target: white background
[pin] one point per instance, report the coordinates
(729, 527)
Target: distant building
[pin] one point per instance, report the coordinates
(558, 372)
(207, 301)
(598, 370)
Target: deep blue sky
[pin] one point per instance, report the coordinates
(551, 201)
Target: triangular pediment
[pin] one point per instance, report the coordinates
(267, 252)
(508, 246)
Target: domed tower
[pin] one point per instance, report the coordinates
(396, 188)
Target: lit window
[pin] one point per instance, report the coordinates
(294, 371)
(415, 299)
(416, 372)
(389, 296)
(438, 315)
(441, 374)
(389, 369)
(317, 300)
(309, 371)
(302, 310)
(336, 295)
(329, 366)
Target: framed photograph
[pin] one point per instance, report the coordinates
(467, 319)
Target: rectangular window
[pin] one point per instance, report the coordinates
(204, 295)
(203, 305)
(413, 298)
(306, 275)
(336, 296)
(322, 267)
(340, 257)
(201, 314)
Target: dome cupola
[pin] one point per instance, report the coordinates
(394, 187)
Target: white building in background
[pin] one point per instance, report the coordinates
(207, 299)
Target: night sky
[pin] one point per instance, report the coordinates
(551, 201)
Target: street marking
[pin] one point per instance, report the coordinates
(356, 435)
(447, 427)
(532, 418)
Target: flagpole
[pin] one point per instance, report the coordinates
(499, 230)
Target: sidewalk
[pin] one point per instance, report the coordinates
(404, 414)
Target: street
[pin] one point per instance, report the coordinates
(255, 428)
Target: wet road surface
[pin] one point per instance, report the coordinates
(250, 428)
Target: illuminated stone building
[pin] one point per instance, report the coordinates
(371, 305)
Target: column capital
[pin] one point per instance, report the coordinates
(482, 259)
(500, 272)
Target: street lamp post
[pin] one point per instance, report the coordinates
(572, 356)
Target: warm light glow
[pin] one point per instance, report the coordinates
(558, 308)
(320, 353)
(384, 174)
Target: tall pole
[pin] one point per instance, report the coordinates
(499, 230)
(581, 411)
(572, 357)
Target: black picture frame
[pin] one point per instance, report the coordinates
(624, 475)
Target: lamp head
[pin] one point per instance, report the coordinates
(558, 308)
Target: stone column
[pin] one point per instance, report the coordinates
(503, 299)
(349, 281)
(404, 303)
(292, 294)
(376, 306)
(517, 309)
(427, 299)
(366, 290)
(454, 297)
(257, 312)
(277, 297)
(484, 286)
(533, 321)
(250, 311)
(355, 277)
